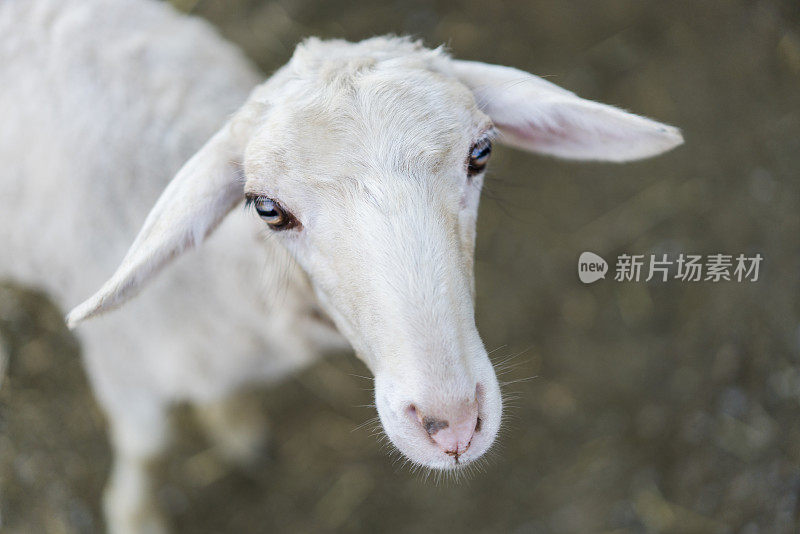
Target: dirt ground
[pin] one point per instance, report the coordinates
(639, 407)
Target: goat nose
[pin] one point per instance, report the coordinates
(453, 435)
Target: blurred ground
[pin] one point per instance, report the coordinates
(663, 407)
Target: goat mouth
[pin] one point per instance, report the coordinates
(459, 462)
(456, 455)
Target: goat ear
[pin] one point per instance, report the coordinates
(536, 115)
(203, 191)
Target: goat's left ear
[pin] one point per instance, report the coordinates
(199, 196)
(536, 115)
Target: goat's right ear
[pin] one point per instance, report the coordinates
(203, 191)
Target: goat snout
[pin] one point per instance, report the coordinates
(452, 433)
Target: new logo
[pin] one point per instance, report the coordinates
(591, 267)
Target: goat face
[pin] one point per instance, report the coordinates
(366, 161)
(375, 193)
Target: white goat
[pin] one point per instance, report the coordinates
(364, 162)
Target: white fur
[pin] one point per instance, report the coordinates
(366, 144)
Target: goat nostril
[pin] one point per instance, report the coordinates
(453, 433)
(452, 436)
(432, 426)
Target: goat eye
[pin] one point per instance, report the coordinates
(272, 213)
(479, 156)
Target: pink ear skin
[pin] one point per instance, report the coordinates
(538, 116)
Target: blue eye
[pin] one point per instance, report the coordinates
(272, 213)
(479, 156)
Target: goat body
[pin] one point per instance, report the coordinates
(375, 149)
